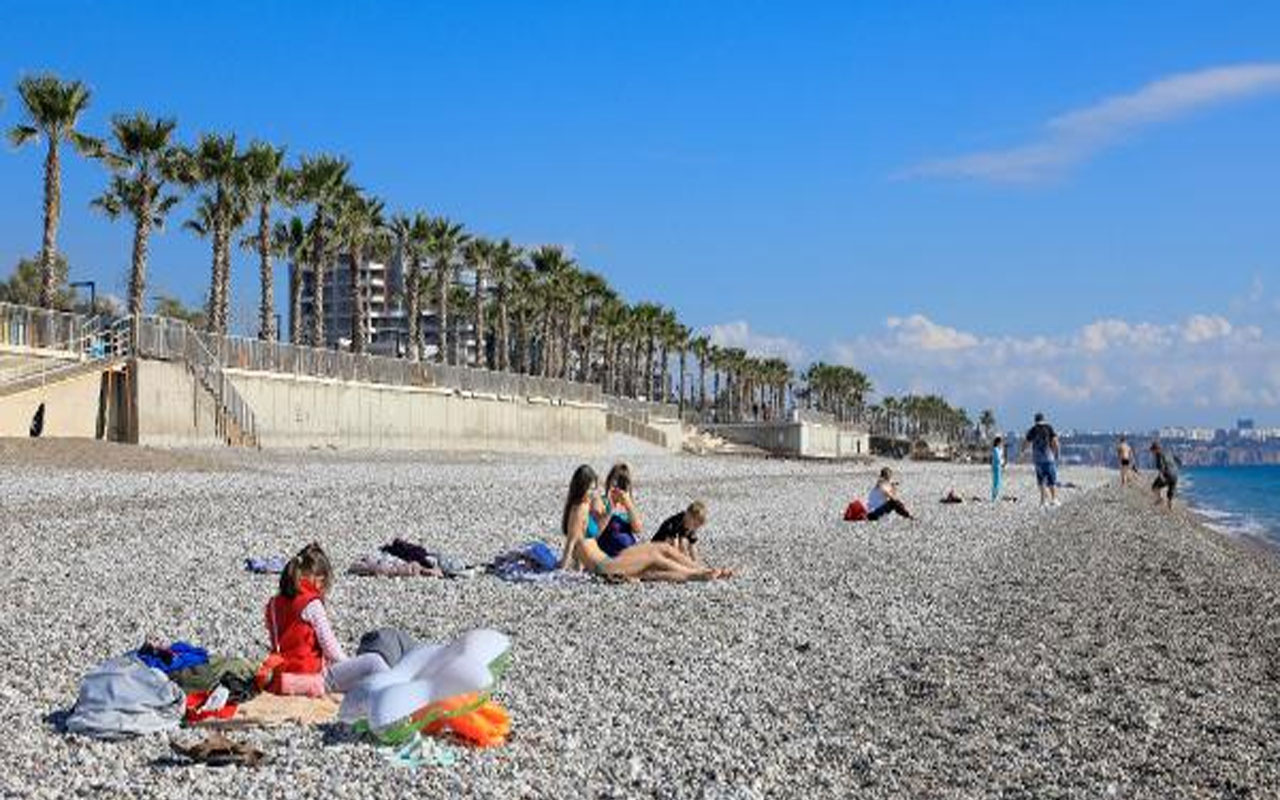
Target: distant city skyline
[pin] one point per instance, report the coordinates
(1020, 207)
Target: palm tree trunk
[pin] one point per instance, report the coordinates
(648, 371)
(224, 274)
(442, 312)
(664, 385)
(503, 343)
(295, 302)
(317, 293)
(702, 383)
(544, 352)
(412, 290)
(215, 283)
(357, 301)
(267, 304)
(522, 323)
(684, 354)
(138, 273)
(482, 352)
(52, 207)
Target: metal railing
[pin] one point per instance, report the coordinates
(54, 344)
(165, 339)
(41, 329)
(173, 340)
(642, 410)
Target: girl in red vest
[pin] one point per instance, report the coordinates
(306, 657)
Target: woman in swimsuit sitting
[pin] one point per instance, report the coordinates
(647, 561)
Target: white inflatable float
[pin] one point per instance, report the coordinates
(426, 675)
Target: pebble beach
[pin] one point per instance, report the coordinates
(1099, 649)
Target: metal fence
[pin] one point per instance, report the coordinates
(167, 339)
(642, 410)
(38, 328)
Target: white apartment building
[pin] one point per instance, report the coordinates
(387, 323)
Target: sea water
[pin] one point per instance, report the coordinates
(1237, 499)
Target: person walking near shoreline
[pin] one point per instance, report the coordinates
(1124, 454)
(1044, 454)
(997, 467)
(1166, 475)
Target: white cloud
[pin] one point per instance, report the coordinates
(1204, 360)
(919, 331)
(1077, 135)
(1201, 328)
(1108, 333)
(739, 334)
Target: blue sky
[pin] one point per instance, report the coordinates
(1066, 206)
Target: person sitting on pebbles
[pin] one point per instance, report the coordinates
(883, 498)
(647, 561)
(623, 523)
(681, 530)
(306, 657)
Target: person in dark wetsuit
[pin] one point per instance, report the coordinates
(1166, 475)
(681, 529)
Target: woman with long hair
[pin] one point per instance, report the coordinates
(647, 561)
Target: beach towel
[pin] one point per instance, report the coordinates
(269, 710)
(560, 577)
(123, 697)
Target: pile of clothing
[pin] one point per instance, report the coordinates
(156, 687)
(403, 558)
(532, 562)
(159, 687)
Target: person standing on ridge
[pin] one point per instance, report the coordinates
(1124, 454)
(1044, 454)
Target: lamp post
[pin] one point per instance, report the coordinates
(93, 293)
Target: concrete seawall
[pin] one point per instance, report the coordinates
(300, 411)
(801, 439)
(71, 408)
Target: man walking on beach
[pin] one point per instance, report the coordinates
(1044, 454)
(1124, 454)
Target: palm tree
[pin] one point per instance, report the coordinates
(505, 260)
(680, 340)
(53, 108)
(142, 161)
(647, 316)
(216, 165)
(553, 267)
(524, 290)
(266, 183)
(319, 182)
(290, 240)
(987, 421)
(460, 299)
(701, 347)
(358, 219)
(411, 235)
(479, 255)
(443, 243)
